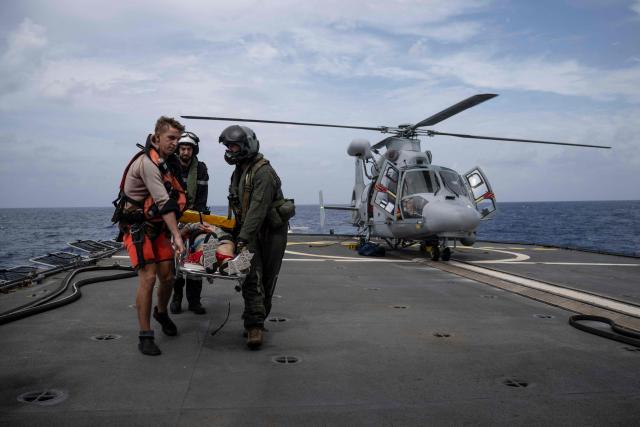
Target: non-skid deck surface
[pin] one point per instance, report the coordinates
(378, 342)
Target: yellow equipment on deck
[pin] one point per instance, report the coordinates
(217, 220)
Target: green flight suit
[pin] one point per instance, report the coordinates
(264, 241)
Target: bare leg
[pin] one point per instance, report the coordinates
(165, 274)
(144, 295)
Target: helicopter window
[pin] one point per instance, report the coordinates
(386, 189)
(416, 182)
(475, 180)
(453, 182)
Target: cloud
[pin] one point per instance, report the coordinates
(566, 77)
(69, 78)
(22, 56)
(262, 52)
(103, 75)
(22, 43)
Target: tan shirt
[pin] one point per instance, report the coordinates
(144, 178)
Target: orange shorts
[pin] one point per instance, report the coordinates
(153, 251)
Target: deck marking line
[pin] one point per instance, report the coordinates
(517, 257)
(343, 258)
(603, 302)
(605, 264)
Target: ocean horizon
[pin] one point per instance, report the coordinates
(611, 226)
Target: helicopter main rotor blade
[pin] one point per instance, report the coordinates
(233, 119)
(472, 101)
(459, 135)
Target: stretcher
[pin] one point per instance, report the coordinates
(221, 221)
(237, 270)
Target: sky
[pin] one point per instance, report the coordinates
(81, 82)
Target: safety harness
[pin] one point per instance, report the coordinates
(145, 219)
(192, 182)
(281, 209)
(247, 188)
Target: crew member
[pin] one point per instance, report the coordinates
(260, 227)
(196, 177)
(151, 200)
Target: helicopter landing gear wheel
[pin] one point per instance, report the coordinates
(446, 254)
(435, 253)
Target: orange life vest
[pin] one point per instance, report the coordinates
(148, 209)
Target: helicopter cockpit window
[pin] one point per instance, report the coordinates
(387, 189)
(454, 182)
(415, 183)
(420, 181)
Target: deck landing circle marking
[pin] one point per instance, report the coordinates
(516, 256)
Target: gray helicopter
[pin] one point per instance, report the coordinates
(407, 199)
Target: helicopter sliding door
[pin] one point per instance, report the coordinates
(483, 195)
(385, 191)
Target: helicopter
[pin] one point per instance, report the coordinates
(407, 199)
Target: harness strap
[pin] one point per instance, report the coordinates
(248, 184)
(192, 181)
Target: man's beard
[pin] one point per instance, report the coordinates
(185, 159)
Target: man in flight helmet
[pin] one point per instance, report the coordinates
(254, 193)
(196, 179)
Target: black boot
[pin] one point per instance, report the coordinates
(176, 305)
(197, 308)
(168, 327)
(147, 344)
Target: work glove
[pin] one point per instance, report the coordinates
(241, 245)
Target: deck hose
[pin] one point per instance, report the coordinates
(44, 304)
(617, 332)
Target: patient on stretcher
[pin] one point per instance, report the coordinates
(213, 248)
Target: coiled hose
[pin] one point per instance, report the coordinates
(45, 304)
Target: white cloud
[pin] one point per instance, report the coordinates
(105, 75)
(566, 77)
(262, 52)
(21, 44)
(67, 78)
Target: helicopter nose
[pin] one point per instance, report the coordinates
(440, 216)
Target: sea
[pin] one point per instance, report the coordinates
(600, 226)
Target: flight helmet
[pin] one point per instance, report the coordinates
(245, 138)
(190, 138)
